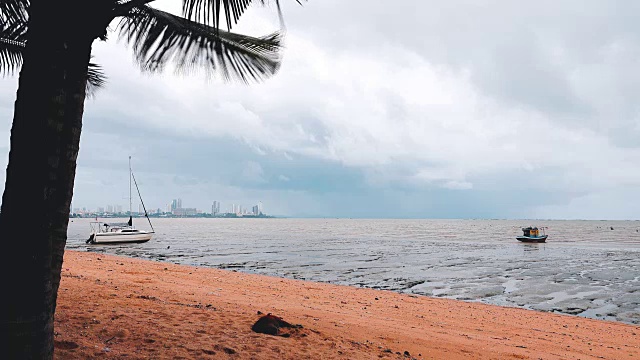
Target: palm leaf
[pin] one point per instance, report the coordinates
(12, 42)
(95, 78)
(158, 37)
(208, 11)
(13, 10)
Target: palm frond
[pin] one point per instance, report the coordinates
(158, 37)
(123, 7)
(208, 11)
(12, 43)
(13, 10)
(95, 79)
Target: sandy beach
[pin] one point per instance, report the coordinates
(119, 307)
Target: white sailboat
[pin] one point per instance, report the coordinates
(119, 233)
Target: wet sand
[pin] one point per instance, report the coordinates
(119, 307)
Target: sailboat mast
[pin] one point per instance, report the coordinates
(130, 205)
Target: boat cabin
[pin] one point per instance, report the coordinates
(531, 231)
(100, 227)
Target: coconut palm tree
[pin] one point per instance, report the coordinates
(49, 42)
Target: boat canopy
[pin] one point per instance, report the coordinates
(113, 224)
(531, 231)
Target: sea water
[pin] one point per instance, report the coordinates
(586, 268)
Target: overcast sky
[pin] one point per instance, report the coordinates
(419, 109)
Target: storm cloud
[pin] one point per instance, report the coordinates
(461, 109)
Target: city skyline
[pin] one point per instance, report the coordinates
(175, 206)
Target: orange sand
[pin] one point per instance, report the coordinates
(118, 307)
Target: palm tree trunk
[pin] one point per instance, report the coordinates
(45, 138)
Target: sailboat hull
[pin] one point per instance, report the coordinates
(120, 238)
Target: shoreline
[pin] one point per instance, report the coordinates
(112, 307)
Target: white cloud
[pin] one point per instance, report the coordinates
(364, 112)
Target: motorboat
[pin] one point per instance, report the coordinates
(532, 235)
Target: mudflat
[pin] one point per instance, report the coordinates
(119, 307)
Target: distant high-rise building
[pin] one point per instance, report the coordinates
(179, 203)
(109, 208)
(260, 208)
(215, 208)
(174, 204)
